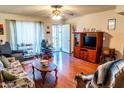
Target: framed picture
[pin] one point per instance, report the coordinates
(111, 24)
(1, 29)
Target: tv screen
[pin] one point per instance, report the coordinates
(89, 42)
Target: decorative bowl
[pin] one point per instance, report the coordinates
(44, 62)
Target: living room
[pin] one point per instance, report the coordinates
(104, 22)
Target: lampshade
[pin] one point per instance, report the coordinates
(56, 17)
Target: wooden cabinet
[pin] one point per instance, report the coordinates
(91, 54)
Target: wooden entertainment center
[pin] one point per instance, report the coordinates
(88, 46)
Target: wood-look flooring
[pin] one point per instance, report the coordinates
(68, 66)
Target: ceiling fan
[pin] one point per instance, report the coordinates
(59, 13)
(53, 11)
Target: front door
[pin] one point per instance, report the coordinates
(56, 35)
(61, 37)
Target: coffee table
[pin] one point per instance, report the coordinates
(44, 69)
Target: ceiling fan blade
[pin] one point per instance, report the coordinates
(57, 6)
(68, 12)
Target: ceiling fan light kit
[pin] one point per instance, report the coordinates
(56, 14)
(56, 17)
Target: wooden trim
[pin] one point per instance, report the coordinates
(70, 39)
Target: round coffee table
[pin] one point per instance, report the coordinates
(44, 69)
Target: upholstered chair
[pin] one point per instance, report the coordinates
(107, 75)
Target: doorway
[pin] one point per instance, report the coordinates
(61, 37)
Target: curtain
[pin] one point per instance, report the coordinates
(38, 36)
(26, 35)
(11, 27)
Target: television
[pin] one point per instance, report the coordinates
(89, 42)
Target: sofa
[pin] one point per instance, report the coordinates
(107, 75)
(17, 77)
(5, 49)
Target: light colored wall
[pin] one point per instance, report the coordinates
(99, 21)
(4, 16)
(120, 9)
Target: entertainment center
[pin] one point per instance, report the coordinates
(88, 46)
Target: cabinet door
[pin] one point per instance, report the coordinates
(77, 52)
(83, 54)
(92, 55)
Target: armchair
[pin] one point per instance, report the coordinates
(107, 75)
(46, 50)
(108, 54)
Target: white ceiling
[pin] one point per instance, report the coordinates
(68, 11)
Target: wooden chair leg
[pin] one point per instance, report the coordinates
(43, 74)
(33, 72)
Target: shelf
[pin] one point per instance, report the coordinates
(89, 48)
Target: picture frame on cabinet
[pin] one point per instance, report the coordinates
(1, 29)
(111, 24)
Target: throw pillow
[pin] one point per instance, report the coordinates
(1, 66)
(8, 76)
(5, 61)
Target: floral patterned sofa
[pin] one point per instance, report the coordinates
(21, 80)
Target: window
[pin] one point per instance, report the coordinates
(26, 35)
